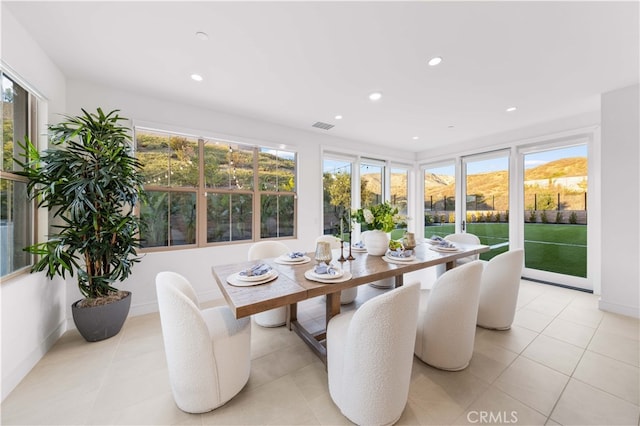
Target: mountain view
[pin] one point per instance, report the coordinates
(566, 176)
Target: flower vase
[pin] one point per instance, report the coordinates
(377, 242)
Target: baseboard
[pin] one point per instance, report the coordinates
(615, 308)
(13, 379)
(151, 307)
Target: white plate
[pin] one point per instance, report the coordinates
(339, 274)
(235, 281)
(444, 249)
(287, 259)
(401, 259)
(432, 242)
(358, 249)
(254, 278)
(345, 277)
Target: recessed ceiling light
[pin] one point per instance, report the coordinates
(196, 77)
(375, 96)
(511, 109)
(450, 126)
(202, 36)
(415, 138)
(435, 61)
(338, 117)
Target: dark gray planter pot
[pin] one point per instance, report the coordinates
(97, 323)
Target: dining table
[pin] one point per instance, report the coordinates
(292, 283)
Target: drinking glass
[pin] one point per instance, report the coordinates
(323, 252)
(409, 241)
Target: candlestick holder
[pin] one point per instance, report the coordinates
(350, 257)
(342, 258)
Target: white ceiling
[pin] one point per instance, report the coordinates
(295, 63)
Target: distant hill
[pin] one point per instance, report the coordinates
(492, 187)
(565, 167)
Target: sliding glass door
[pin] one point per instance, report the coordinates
(555, 213)
(486, 206)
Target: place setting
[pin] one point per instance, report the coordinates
(444, 246)
(399, 256)
(293, 258)
(324, 271)
(257, 274)
(359, 247)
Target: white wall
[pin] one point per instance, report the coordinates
(33, 312)
(620, 212)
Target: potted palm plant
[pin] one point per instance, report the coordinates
(91, 181)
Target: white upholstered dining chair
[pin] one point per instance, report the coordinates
(369, 368)
(463, 238)
(447, 318)
(499, 290)
(261, 250)
(349, 295)
(208, 351)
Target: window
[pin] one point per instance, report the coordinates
(439, 199)
(399, 194)
(337, 184)
(371, 182)
(486, 210)
(19, 109)
(202, 192)
(351, 182)
(555, 211)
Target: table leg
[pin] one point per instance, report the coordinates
(333, 305)
(450, 265)
(292, 314)
(399, 280)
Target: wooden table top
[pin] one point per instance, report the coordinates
(291, 286)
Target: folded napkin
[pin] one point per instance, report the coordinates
(400, 253)
(295, 255)
(359, 244)
(323, 268)
(256, 270)
(436, 238)
(446, 244)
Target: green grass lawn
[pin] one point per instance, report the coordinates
(548, 247)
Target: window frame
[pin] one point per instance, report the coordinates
(202, 191)
(34, 104)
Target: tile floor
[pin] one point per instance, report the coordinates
(563, 362)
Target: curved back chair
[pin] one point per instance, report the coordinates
(369, 367)
(262, 250)
(463, 238)
(447, 318)
(208, 351)
(349, 295)
(499, 290)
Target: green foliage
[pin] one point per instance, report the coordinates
(383, 217)
(498, 216)
(543, 216)
(92, 182)
(573, 218)
(533, 216)
(559, 217)
(339, 189)
(428, 219)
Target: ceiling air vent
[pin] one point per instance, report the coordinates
(323, 126)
